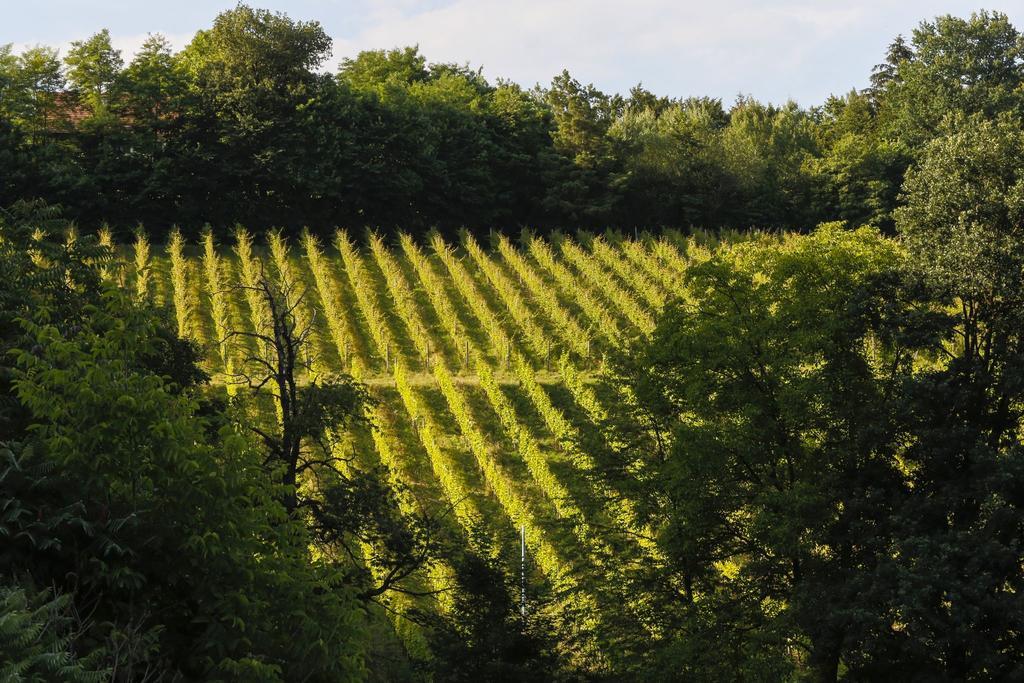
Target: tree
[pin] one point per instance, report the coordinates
(858, 171)
(246, 134)
(38, 162)
(93, 67)
(973, 65)
(764, 149)
(137, 501)
(672, 169)
(882, 75)
(150, 83)
(961, 577)
(582, 115)
(522, 156)
(256, 50)
(303, 412)
(755, 431)
(29, 83)
(579, 189)
(353, 514)
(964, 221)
(377, 69)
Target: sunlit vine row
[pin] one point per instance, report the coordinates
(524, 317)
(637, 280)
(409, 633)
(387, 448)
(497, 478)
(582, 392)
(434, 287)
(570, 331)
(184, 304)
(500, 341)
(537, 339)
(518, 432)
(382, 431)
(642, 258)
(586, 398)
(604, 323)
(597, 276)
(114, 269)
(445, 469)
(140, 257)
(340, 328)
(548, 558)
(216, 285)
(522, 436)
(365, 294)
(574, 380)
(250, 271)
(553, 418)
(402, 295)
(338, 324)
(669, 255)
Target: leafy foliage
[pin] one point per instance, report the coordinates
(242, 126)
(157, 523)
(35, 640)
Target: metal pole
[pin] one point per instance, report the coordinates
(522, 570)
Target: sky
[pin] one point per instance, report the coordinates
(774, 50)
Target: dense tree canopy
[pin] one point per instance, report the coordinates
(135, 497)
(244, 125)
(825, 432)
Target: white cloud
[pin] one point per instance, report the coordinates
(772, 49)
(612, 44)
(801, 48)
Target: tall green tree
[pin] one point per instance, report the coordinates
(29, 83)
(756, 433)
(972, 65)
(148, 87)
(582, 115)
(93, 66)
(882, 75)
(961, 572)
(672, 172)
(248, 140)
(377, 69)
(858, 171)
(764, 149)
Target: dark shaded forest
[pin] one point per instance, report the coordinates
(244, 125)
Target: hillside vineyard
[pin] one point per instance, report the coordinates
(479, 362)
